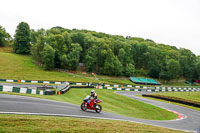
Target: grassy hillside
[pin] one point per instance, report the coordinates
(47, 124)
(114, 103)
(14, 66)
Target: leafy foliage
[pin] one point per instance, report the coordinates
(4, 37)
(22, 39)
(48, 55)
(173, 69)
(73, 56)
(110, 54)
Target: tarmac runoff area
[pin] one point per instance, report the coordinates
(189, 120)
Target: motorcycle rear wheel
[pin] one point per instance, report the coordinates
(98, 108)
(83, 106)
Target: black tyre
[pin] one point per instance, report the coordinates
(98, 108)
(83, 107)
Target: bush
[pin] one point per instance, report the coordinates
(48, 55)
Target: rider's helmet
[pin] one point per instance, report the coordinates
(92, 92)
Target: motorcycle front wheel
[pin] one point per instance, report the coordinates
(98, 108)
(83, 107)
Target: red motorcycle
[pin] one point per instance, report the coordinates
(89, 104)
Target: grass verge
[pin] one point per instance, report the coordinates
(51, 124)
(187, 106)
(13, 66)
(114, 103)
(193, 96)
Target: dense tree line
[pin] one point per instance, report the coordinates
(114, 55)
(107, 54)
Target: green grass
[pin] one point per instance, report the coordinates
(179, 83)
(114, 103)
(13, 66)
(175, 84)
(52, 124)
(193, 96)
(187, 106)
(118, 81)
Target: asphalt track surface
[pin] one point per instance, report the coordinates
(27, 105)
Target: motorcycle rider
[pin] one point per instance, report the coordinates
(94, 95)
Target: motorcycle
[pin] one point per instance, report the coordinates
(89, 104)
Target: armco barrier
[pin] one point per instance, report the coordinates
(5, 88)
(64, 90)
(67, 88)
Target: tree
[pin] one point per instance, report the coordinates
(57, 60)
(187, 62)
(71, 60)
(91, 59)
(173, 69)
(64, 61)
(37, 48)
(58, 43)
(4, 36)
(36, 34)
(164, 75)
(78, 37)
(122, 56)
(48, 55)
(152, 57)
(154, 72)
(138, 54)
(22, 39)
(112, 65)
(67, 38)
(56, 30)
(198, 69)
(33, 36)
(129, 70)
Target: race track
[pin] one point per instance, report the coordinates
(28, 105)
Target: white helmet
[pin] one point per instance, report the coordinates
(92, 91)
